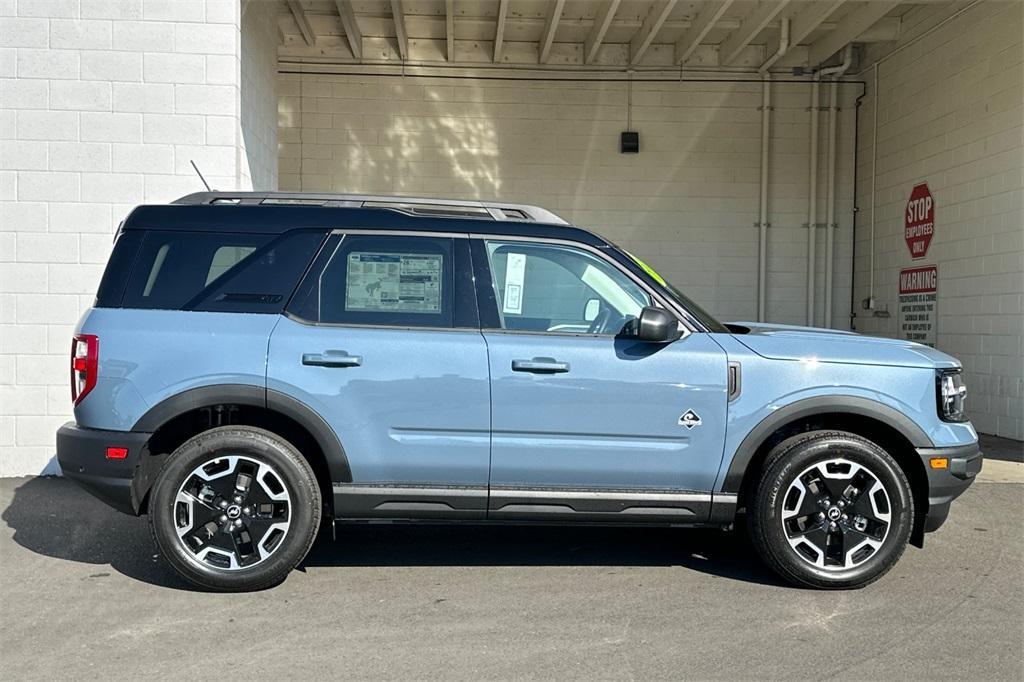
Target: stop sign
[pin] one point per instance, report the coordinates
(919, 221)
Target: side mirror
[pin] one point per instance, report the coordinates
(655, 325)
(591, 310)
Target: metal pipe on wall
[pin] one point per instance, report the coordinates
(812, 201)
(830, 202)
(762, 220)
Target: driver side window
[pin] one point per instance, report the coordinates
(560, 289)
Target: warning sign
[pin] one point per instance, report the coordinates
(918, 316)
(919, 221)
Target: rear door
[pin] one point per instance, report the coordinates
(587, 424)
(382, 340)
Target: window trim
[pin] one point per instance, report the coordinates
(485, 267)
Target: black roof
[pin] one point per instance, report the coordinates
(279, 218)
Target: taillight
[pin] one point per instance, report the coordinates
(85, 351)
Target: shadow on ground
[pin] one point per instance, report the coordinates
(54, 518)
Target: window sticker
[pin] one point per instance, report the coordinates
(515, 273)
(407, 282)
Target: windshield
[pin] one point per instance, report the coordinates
(702, 315)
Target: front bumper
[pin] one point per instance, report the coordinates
(82, 454)
(945, 485)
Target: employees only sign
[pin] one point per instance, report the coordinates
(919, 221)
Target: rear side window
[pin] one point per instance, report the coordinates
(383, 280)
(218, 271)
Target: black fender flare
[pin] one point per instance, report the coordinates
(255, 396)
(809, 407)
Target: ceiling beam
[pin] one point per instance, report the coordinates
(852, 25)
(649, 30)
(449, 27)
(702, 24)
(596, 36)
(303, 21)
(547, 38)
(804, 23)
(398, 14)
(499, 30)
(750, 27)
(351, 26)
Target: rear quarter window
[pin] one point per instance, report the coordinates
(218, 271)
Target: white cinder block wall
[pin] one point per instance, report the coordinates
(102, 105)
(950, 114)
(687, 203)
(258, 95)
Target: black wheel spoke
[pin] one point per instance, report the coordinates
(227, 507)
(834, 523)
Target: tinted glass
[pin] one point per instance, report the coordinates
(553, 288)
(230, 272)
(383, 280)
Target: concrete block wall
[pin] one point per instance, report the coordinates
(687, 203)
(258, 95)
(103, 103)
(951, 113)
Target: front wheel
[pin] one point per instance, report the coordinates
(832, 510)
(235, 508)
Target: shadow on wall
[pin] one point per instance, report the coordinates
(54, 518)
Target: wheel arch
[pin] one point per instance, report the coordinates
(890, 429)
(183, 415)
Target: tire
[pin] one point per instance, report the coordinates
(225, 543)
(847, 543)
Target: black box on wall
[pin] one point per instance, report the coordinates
(629, 142)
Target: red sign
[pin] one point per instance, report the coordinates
(924, 279)
(919, 221)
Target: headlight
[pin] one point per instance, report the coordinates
(950, 394)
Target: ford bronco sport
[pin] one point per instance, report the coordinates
(257, 362)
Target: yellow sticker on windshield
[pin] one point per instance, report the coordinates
(648, 269)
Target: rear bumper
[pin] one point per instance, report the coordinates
(82, 454)
(945, 485)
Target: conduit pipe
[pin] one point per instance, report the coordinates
(812, 201)
(762, 219)
(835, 72)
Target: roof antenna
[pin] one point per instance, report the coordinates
(200, 175)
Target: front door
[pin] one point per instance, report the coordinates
(378, 344)
(584, 424)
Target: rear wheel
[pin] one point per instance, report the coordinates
(235, 508)
(832, 510)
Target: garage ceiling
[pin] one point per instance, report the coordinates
(585, 34)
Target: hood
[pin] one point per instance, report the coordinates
(789, 342)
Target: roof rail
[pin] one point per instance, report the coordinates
(418, 206)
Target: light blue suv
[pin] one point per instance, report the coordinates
(255, 363)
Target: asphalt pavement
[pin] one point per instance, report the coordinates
(83, 596)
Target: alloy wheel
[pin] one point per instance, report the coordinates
(836, 514)
(232, 512)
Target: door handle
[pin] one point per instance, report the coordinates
(540, 366)
(332, 358)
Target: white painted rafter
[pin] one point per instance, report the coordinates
(499, 30)
(401, 35)
(701, 26)
(305, 28)
(449, 28)
(856, 22)
(805, 22)
(348, 22)
(598, 31)
(755, 22)
(649, 30)
(547, 38)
